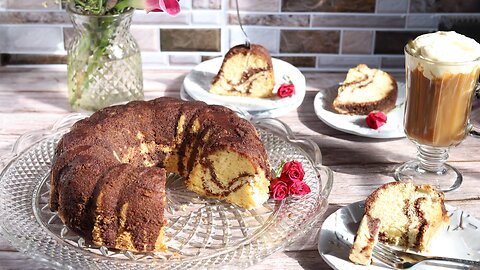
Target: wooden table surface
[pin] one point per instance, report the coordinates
(35, 97)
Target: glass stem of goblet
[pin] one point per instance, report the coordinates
(432, 159)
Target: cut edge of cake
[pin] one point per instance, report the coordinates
(365, 240)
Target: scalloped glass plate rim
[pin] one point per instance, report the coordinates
(39, 135)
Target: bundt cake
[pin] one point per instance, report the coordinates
(108, 171)
(402, 214)
(365, 90)
(245, 71)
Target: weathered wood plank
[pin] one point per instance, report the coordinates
(34, 98)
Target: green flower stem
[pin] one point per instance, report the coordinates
(92, 48)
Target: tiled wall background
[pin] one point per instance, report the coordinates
(324, 35)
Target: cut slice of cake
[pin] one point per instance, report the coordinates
(367, 236)
(365, 90)
(408, 216)
(245, 71)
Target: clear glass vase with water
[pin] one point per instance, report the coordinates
(104, 63)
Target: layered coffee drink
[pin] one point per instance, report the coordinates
(442, 70)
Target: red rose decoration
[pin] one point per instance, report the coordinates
(298, 188)
(292, 171)
(289, 181)
(278, 189)
(376, 119)
(286, 90)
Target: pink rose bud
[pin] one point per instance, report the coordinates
(278, 189)
(172, 7)
(298, 188)
(286, 90)
(293, 171)
(376, 119)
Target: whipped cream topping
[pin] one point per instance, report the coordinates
(448, 48)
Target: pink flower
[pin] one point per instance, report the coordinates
(278, 189)
(376, 119)
(171, 7)
(298, 188)
(292, 171)
(286, 90)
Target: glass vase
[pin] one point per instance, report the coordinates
(104, 63)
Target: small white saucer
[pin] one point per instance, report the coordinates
(197, 83)
(460, 240)
(355, 124)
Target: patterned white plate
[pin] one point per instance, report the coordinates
(355, 124)
(461, 239)
(197, 83)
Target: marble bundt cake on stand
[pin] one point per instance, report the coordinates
(108, 172)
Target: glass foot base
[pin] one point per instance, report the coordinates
(447, 179)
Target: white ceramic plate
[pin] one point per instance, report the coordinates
(249, 114)
(460, 240)
(355, 124)
(197, 83)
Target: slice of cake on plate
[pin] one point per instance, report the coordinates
(365, 90)
(402, 214)
(245, 71)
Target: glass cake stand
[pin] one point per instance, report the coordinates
(201, 233)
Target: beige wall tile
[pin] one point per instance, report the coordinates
(31, 39)
(309, 41)
(268, 38)
(147, 38)
(256, 5)
(468, 6)
(420, 20)
(192, 59)
(381, 21)
(357, 42)
(392, 6)
(208, 17)
(159, 18)
(206, 4)
(272, 20)
(342, 62)
(190, 40)
(33, 4)
(33, 59)
(34, 17)
(329, 6)
(154, 58)
(300, 61)
(393, 62)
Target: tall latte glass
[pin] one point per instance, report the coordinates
(442, 70)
